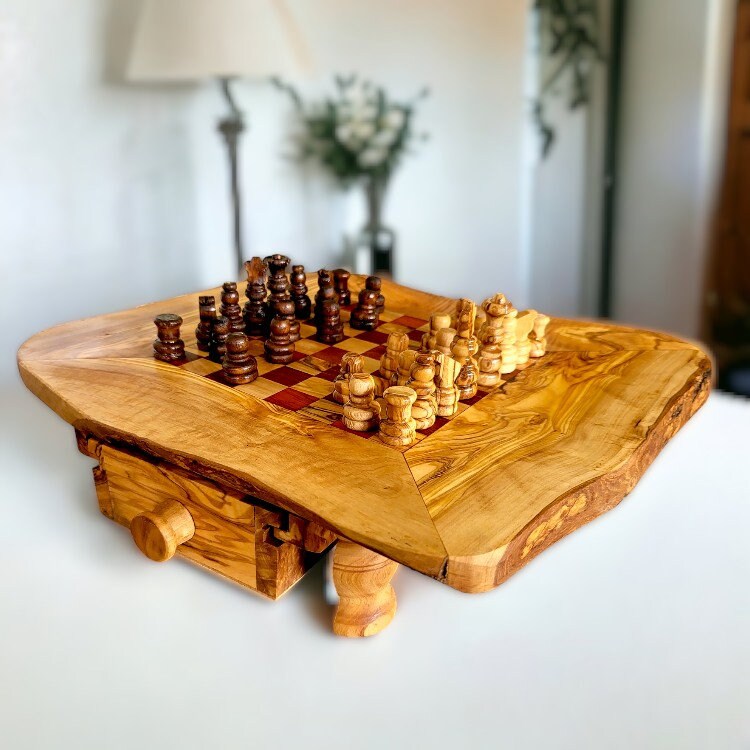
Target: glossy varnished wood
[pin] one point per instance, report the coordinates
(556, 445)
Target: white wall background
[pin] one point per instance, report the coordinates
(113, 195)
(675, 83)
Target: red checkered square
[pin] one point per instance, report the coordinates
(375, 353)
(329, 374)
(286, 375)
(375, 337)
(415, 336)
(291, 399)
(332, 354)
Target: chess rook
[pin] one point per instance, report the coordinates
(437, 321)
(374, 284)
(255, 313)
(464, 349)
(446, 393)
(538, 336)
(168, 346)
(341, 286)
(350, 363)
(239, 365)
(364, 316)
(398, 428)
(361, 411)
(422, 382)
(230, 307)
(396, 343)
(207, 313)
(279, 347)
(298, 292)
(285, 310)
(330, 328)
(217, 346)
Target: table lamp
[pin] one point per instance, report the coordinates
(196, 40)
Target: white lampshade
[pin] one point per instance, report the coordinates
(190, 40)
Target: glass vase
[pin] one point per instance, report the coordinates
(376, 238)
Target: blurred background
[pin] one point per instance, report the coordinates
(585, 157)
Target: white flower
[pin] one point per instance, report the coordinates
(394, 118)
(371, 157)
(363, 129)
(385, 138)
(344, 133)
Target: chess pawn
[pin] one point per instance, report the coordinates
(341, 286)
(464, 348)
(298, 291)
(446, 393)
(168, 346)
(330, 327)
(374, 284)
(508, 342)
(489, 359)
(538, 339)
(285, 310)
(437, 321)
(444, 340)
(279, 347)
(396, 343)
(405, 361)
(524, 326)
(351, 362)
(207, 313)
(230, 307)
(220, 331)
(422, 382)
(239, 365)
(398, 427)
(325, 292)
(255, 313)
(361, 411)
(364, 316)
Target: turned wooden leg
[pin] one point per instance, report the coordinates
(367, 601)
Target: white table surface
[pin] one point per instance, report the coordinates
(633, 632)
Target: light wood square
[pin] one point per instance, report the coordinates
(309, 346)
(315, 387)
(256, 347)
(323, 410)
(306, 330)
(264, 367)
(393, 328)
(261, 388)
(356, 345)
(202, 366)
(350, 332)
(388, 315)
(371, 365)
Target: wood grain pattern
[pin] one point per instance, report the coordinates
(552, 447)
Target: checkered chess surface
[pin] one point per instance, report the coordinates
(306, 384)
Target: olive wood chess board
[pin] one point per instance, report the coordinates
(255, 482)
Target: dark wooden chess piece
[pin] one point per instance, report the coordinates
(207, 313)
(230, 307)
(256, 310)
(341, 285)
(330, 328)
(168, 347)
(278, 284)
(375, 283)
(298, 290)
(365, 315)
(325, 291)
(279, 346)
(239, 365)
(285, 310)
(220, 330)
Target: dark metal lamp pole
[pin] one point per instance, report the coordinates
(231, 128)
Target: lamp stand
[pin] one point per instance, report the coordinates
(231, 128)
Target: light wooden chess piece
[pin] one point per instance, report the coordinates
(437, 321)
(508, 342)
(538, 339)
(422, 381)
(361, 411)
(446, 372)
(351, 362)
(444, 340)
(405, 361)
(398, 427)
(524, 326)
(396, 343)
(464, 349)
(490, 359)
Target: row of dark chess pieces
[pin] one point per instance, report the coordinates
(276, 303)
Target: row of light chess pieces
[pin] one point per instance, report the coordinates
(416, 387)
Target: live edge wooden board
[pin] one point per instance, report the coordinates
(257, 493)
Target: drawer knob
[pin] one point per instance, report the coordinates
(158, 532)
